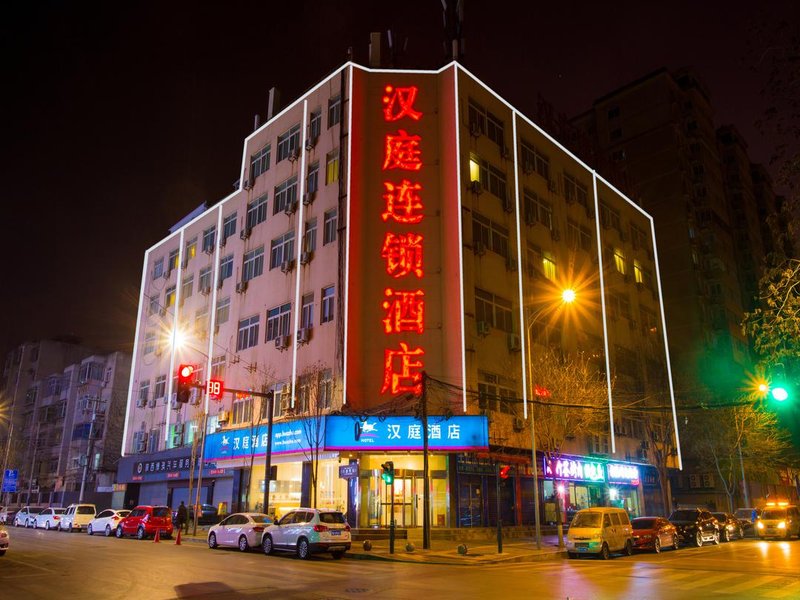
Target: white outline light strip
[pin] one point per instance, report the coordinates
(135, 354)
(603, 308)
(666, 345)
(175, 322)
(460, 244)
(214, 293)
(299, 237)
(346, 311)
(523, 323)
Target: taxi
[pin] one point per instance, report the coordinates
(778, 520)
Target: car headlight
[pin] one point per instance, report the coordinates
(760, 525)
(782, 525)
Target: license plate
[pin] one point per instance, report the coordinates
(583, 549)
(336, 533)
(583, 546)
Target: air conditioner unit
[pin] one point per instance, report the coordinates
(310, 143)
(293, 154)
(222, 242)
(303, 335)
(282, 342)
(508, 205)
(483, 328)
(241, 287)
(552, 186)
(245, 233)
(151, 403)
(205, 290)
(474, 129)
(519, 424)
(248, 183)
(305, 257)
(555, 235)
(141, 403)
(290, 208)
(475, 186)
(511, 264)
(220, 283)
(222, 416)
(308, 197)
(287, 265)
(209, 250)
(479, 248)
(514, 342)
(527, 167)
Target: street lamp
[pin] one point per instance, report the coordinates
(567, 297)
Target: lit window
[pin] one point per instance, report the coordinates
(549, 266)
(619, 260)
(169, 299)
(474, 169)
(637, 272)
(191, 249)
(332, 166)
(172, 261)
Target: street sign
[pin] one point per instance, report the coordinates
(10, 478)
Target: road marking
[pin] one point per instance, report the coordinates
(790, 589)
(748, 585)
(674, 576)
(27, 564)
(704, 580)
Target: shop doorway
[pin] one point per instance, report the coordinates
(407, 502)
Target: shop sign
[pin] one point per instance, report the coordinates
(288, 437)
(120, 487)
(348, 471)
(574, 469)
(623, 473)
(137, 478)
(475, 465)
(144, 467)
(216, 472)
(175, 475)
(468, 433)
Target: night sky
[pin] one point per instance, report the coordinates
(120, 118)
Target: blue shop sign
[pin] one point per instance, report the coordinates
(457, 433)
(288, 437)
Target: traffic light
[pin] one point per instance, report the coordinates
(779, 392)
(388, 472)
(505, 471)
(185, 381)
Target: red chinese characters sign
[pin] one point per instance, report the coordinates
(402, 251)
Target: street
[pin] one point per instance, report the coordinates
(58, 565)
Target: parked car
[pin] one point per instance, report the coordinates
(729, 526)
(747, 518)
(106, 521)
(6, 514)
(305, 531)
(77, 516)
(4, 540)
(654, 533)
(144, 521)
(695, 526)
(25, 515)
(600, 531)
(49, 518)
(243, 530)
(778, 520)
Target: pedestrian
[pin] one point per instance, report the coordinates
(181, 519)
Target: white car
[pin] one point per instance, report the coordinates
(4, 540)
(49, 518)
(25, 515)
(3, 514)
(106, 521)
(305, 531)
(242, 530)
(78, 516)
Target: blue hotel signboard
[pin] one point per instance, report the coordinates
(372, 434)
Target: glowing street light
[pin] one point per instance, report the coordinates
(568, 296)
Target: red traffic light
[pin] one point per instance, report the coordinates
(185, 372)
(504, 471)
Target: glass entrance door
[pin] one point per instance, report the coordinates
(405, 500)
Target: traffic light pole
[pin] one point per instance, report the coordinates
(426, 493)
(391, 518)
(499, 520)
(270, 397)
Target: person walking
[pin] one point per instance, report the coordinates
(182, 520)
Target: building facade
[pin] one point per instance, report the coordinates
(397, 249)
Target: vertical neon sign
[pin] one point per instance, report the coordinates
(402, 251)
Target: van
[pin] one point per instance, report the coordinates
(77, 517)
(600, 531)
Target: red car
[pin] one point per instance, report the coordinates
(144, 521)
(654, 533)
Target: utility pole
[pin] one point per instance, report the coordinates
(200, 475)
(90, 449)
(33, 461)
(426, 494)
(270, 397)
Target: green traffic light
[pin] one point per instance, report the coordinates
(779, 393)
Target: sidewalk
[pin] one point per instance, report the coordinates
(442, 552)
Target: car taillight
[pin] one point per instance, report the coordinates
(346, 527)
(115, 518)
(320, 528)
(56, 517)
(258, 529)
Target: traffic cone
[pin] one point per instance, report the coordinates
(178, 537)
(157, 539)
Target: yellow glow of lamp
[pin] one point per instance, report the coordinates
(568, 296)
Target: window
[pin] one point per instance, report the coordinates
(609, 217)
(209, 239)
(310, 236)
(312, 181)
(223, 310)
(578, 236)
(256, 211)
(204, 284)
(549, 266)
(496, 392)
(326, 314)
(247, 336)
(54, 386)
(228, 227)
(491, 178)
(493, 310)
(334, 111)
(288, 143)
(638, 276)
(303, 396)
(285, 195)
(160, 389)
(638, 238)
(598, 444)
(278, 319)
(619, 306)
(490, 234)
(144, 391)
(172, 261)
(537, 210)
(201, 321)
(315, 124)
(253, 264)
(534, 161)
(281, 250)
(332, 166)
(329, 227)
(259, 162)
(325, 392)
(218, 367)
(619, 260)
(476, 115)
(575, 191)
(613, 113)
(307, 314)
(191, 250)
(158, 268)
(187, 287)
(155, 305)
(169, 297)
(494, 130)
(149, 342)
(242, 410)
(225, 267)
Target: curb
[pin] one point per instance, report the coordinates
(465, 560)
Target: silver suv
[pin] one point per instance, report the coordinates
(305, 531)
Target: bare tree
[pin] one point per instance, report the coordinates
(313, 403)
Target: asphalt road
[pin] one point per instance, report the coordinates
(59, 565)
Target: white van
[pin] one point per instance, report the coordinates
(600, 531)
(77, 517)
